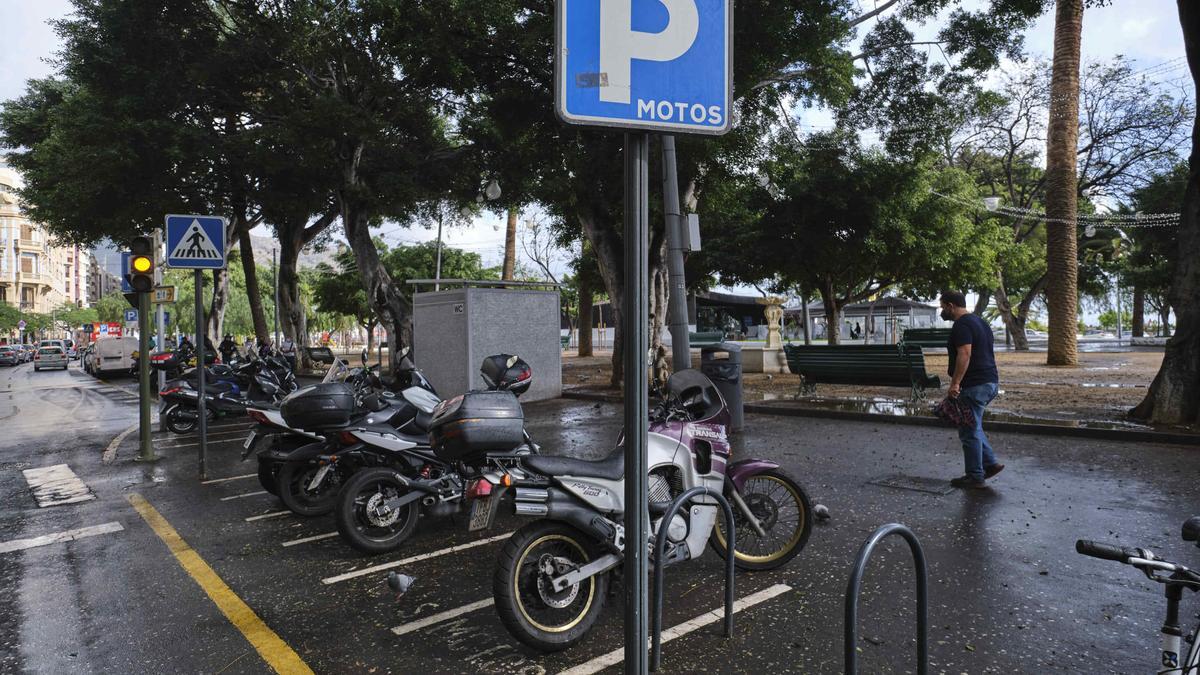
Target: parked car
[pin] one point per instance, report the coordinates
(9, 356)
(1036, 334)
(27, 353)
(53, 343)
(50, 357)
(112, 355)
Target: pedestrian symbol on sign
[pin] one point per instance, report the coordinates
(196, 245)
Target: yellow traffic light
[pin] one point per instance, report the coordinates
(141, 265)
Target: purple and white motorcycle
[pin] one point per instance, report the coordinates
(552, 575)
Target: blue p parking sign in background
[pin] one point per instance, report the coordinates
(658, 65)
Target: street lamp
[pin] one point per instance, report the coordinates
(991, 203)
(492, 193)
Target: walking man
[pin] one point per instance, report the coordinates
(288, 349)
(974, 380)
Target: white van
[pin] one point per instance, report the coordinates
(112, 355)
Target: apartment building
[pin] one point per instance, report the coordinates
(35, 275)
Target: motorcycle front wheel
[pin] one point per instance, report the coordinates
(530, 608)
(292, 488)
(363, 517)
(784, 512)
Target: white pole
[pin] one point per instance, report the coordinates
(437, 274)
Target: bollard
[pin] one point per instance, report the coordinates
(660, 545)
(853, 588)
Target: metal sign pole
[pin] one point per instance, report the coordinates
(202, 416)
(636, 329)
(159, 324)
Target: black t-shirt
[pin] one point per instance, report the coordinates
(972, 330)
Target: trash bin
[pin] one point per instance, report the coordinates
(726, 372)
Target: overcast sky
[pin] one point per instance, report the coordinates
(1144, 30)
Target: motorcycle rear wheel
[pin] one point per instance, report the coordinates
(528, 606)
(268, 476)
(363, 523)
(292, 488)
(785, 513)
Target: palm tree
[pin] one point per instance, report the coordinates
(1061, 202)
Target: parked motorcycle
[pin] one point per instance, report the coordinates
(378, 507)
(552, 575)
(228, 392)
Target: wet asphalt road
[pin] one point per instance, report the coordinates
(1007, 591)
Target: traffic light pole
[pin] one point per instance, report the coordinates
(146, 449)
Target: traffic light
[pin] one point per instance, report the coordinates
(141, 265)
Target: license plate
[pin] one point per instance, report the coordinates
(319, 477)
(248, 445)
(481, 513)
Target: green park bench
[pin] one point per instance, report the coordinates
(926, 337)
(703, 339)
(880, 365)
(565, 340)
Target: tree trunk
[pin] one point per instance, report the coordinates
(1139, 311)
(833, 326)
(510, 247)
(985, 298)
(586, 296)
(610, 260)
(1174, 396)
(215, 320)
(391, 309)
(291, 311)
(253, 293)
(1015, 321)
(1062, 266)
(660, 292)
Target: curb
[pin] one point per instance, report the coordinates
(1133, 435)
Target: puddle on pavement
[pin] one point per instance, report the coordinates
(901, 408)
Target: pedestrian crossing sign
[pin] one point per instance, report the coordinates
(195, 242)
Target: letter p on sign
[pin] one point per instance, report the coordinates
(620, 44)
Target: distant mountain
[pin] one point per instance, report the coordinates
(308, 258)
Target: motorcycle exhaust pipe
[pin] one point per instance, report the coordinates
(534, 510)
(536, 495)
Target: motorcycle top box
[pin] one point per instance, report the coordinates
(319, 406)
(466, 427)
(507, 372)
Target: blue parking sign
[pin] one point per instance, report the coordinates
(131, 316)
(656, 65)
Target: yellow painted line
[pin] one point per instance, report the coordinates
(282, 658)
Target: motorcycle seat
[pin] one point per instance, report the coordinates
(609, 468)
(218, 387)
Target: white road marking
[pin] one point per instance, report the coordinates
(315, 537)
(226, 480)
(416, 558)
(440, 617)
(110, 453)
(273, 514)
(211, 441)
(244, 495)
(679, 630)
(57, 484)
(68, 535)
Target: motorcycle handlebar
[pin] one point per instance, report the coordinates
(1104, 551)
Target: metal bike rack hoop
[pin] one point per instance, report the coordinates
(660, 545)
(855, 585)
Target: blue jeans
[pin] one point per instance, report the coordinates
(977, 452)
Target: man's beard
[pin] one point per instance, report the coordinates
(947, 315)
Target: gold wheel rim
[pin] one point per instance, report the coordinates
(591, 590)
(771, 557)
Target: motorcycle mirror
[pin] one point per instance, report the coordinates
(364, 357)
(404, 351)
